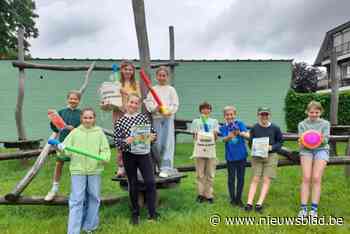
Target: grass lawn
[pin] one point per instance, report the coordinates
(179, 211)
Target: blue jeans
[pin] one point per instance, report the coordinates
(163, 148)
(84, 203)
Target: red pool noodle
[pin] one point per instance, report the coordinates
(56, 119)
(148, 83)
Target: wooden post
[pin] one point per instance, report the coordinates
(142, 40)
(172, 67)
(20, 96)
(172, 53)
(334, 97)
(347, 167)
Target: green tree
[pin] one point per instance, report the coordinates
(14, 14)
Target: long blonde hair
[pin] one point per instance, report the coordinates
(132, 79)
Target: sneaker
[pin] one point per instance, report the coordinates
(248, 207)
(121, 172)
(200, 199)
(89, 232)
(258, 208)
(302, 213)
(163, 174)
(154, 218)
(210, 200)
(313, 213)
(50, 196)
(135, 219)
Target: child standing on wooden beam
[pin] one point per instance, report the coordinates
(205, 132)
(128, 85)
(133, 135)
(163, 123)
(71, 116)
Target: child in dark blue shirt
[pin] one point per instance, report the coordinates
(233, 132)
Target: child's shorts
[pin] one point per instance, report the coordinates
(265, 166)
(62, 158)
(315, 154)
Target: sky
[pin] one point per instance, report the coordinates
(204, 29)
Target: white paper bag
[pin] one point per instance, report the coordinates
(111, 97)
(204, 146)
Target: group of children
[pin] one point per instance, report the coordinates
(264, 164)
(137, 135)
(133, 134)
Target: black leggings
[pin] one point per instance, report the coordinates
(236, 169)
(131, 163)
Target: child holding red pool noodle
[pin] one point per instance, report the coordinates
(71, 118)
(313, 161)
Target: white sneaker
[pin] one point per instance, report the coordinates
(302, 213)
(50, 196)
(313, 213)
(163, 174)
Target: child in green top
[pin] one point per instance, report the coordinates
(84, 200)
(71, 116)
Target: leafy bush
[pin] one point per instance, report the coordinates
(295, 106)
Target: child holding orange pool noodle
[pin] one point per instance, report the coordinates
(163, 119)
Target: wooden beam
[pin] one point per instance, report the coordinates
(58, 201)
(33, 171)
(22, 154)
(20, 95)
(338, 160)
(87, 77)
(138, 7)
(27, 65)
(285, 137)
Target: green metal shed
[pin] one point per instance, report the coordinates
(245, 84)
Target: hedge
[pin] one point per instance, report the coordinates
(295, 105)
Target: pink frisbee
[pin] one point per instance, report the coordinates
(311, 139)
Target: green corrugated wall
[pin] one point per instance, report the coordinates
(245, 84)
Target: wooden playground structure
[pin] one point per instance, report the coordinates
(30, 147)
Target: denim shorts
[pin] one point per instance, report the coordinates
(315, 154)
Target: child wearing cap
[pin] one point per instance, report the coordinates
(266, 140)
(233, 132)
